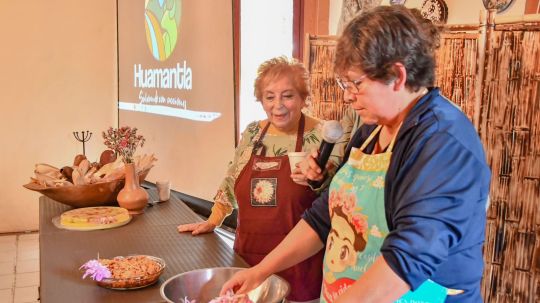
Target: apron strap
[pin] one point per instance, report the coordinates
(391, 145)
(374, 133)
(259, 144)
(371, 136)
(300, 134)
(299, 137)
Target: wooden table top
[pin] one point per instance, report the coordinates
(153, 233)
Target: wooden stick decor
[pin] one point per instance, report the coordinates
(456, 77)
(511, 113)
(326, 97)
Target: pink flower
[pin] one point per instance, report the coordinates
(360, 223)
(349, 203)
(95, 270)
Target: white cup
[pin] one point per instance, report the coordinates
(164, 190)
(298, 157)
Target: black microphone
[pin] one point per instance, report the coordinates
(331, 132)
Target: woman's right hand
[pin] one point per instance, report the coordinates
(197, 228)
(244, 281)
(314, 172)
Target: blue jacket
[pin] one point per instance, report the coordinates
(436, 189)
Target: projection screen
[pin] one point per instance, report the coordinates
(176, 85)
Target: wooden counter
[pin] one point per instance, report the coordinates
(154, 233)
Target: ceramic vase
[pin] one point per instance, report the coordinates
(132, 197)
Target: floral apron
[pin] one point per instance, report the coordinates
(269, 206)
(356, 206)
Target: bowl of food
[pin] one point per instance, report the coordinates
(85, 184)
(86, 195)
(131, 272)
(204, 285)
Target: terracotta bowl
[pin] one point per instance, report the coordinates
(96, 194)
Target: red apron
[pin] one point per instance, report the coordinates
(270, 204)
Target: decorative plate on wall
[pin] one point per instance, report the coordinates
(397, 2)
(435, 10)
(500, 5)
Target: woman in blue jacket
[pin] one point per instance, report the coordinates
(404, 217)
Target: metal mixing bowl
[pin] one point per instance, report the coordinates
(204, 285)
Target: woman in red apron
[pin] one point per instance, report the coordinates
(269, 210)
(259, 181)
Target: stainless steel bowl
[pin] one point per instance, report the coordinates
(204, 285)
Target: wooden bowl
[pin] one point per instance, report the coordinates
(96, 194)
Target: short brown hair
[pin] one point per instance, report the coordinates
(278, 67)
(378, 38)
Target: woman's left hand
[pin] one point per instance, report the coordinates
(197, 228)
(298, 176)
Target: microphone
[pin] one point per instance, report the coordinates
(331, 132)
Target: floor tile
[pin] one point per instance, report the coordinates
(19, 268)
(6, 295)
(27, 266)
(26, 294)
(7, 281)
(7, 268)
(8, 239)
(27, 279)
(28, 245)
(8, 255)
(8, 246)
(31, 236)
(27, 254)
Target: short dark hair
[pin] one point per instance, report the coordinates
(378, 38)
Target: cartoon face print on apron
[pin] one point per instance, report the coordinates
(358, 224)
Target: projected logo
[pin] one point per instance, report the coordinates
(162, 18)
(161, 89)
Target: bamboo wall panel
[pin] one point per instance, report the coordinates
(510, 131)
(456, 81)
(456, 69)
(326, 100)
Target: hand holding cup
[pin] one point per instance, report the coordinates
(299, 166)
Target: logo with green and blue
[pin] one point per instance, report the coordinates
(162, 18)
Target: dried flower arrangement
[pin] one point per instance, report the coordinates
(124, 141)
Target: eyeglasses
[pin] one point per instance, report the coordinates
(350, 86)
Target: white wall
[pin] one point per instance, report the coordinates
(459, 11)
(465, 12)
(333, 16)
(58, 61)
